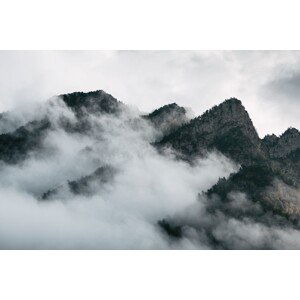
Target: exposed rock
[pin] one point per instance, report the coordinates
(280, 147)
(16, 146)
(267, 183)
(168, 117)
(269, 176)
(92, 103)
(90, 184)
(87, 185)
(226, 128)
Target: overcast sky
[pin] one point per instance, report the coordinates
(267, 82)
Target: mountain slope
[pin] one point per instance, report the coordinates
(168, 117)
(16, 145)
(92, 103)
(269, 175)
(264, 191)
(87, 185)
(226, 128)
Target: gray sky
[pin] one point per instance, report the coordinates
(267, 82)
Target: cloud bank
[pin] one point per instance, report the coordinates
(147, 187)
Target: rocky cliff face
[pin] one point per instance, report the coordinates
(16, 146)
(269, 174)
(226, 128)
(280, 147)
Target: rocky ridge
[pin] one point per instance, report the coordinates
(269, 171)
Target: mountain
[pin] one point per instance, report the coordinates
(17, 145)
(280, 147)
(92, 103)
(269, 172)
(168, 117)
(226, 128)
(264, 190)
(86, 185)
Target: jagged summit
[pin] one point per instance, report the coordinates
(167, 108)
(282, 146)
(17, 145)
(233, 107)
(168, 117)
(291, 131)
(270, 140)
(227, 102)
(268, 175)
(230, 112)
(84, 95)
(92, 102)
(226, 127)
(271, 137)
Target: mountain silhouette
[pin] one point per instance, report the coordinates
(269, 168)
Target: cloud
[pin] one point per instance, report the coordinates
(239, 222)
(287, 85)
(124, 212)
(149, 79)
(148, 187)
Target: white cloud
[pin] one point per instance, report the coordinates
(149, 79)
(121, 215)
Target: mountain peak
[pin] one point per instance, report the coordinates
(279, 147)
(85, 94)
(291, 131)
(168, 108)
(92, 102)
(270, 140)
(168, 117)
(226, 127)
(230, 112)
(232, 101)
(230, 105)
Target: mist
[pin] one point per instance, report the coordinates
(148, 79)
(239, 223)
(122, 213)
